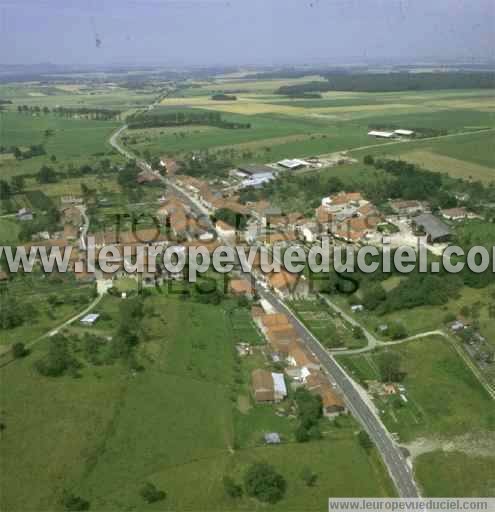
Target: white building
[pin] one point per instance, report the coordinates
(279, 388)
(381, 135)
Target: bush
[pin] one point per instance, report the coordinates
(308, 476)
(19, 350)
(365, 440)
(71, 502)
(262, 482)
(151, 494)
(232, 489)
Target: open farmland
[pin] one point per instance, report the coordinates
(446, 409)
(74, 141)
(338, 121)
(171, 424)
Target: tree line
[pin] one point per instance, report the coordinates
(394, 82)
(182, 118)
(96, 114)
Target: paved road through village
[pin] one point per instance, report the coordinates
(397, 465)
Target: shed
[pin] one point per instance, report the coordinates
(90, 319)
(272, 438)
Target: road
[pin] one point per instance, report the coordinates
(399, 469)
(54, 330)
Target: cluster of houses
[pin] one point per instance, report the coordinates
(301, 366)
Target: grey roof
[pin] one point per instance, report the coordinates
(256, 169)
(432, 225)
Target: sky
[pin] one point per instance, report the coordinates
(244, 32)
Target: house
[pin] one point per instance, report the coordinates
(224, 230)
(272, 438)
(301, 358)
(410, 207)
(345, 204)
(332, 404)
(71, 232)
(90, 319)
(24, 214)
(147, 177)
(455, 213)
(241, 287)
(268, 386)
(285, 283)
(169, 165)
(435, 230)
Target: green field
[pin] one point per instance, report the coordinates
(31, 293)
(444, 398)
(444, 474)
(74, 141)
(446, 406)
(102, 435)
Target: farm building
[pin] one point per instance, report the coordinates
(90, 319)
(455, 214)
(292, 164)
(24, 214)
(404, 133)
(381, 135)
(255, 171)
(268, 386)
(435, 229)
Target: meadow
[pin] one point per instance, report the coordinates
(444, 399)
(104, 434)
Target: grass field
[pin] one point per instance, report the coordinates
(9, 229)
(74, 140)
(104, 434)
(33, 291)
(444, 474)
(444, 398)
(283, 128)
(427, 318)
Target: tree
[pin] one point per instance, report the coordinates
(151, 494)
(74, 503)
(358, 332)
(5, 191)
(18, 183)
(369, 160)
(302, 434)
(58, 360)
(397, 331)
(47, 175)
(308, 476)
(11, 314)
(365, 440)
(19, 350)
(389, 365)
(232, 489)
(262, 482)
